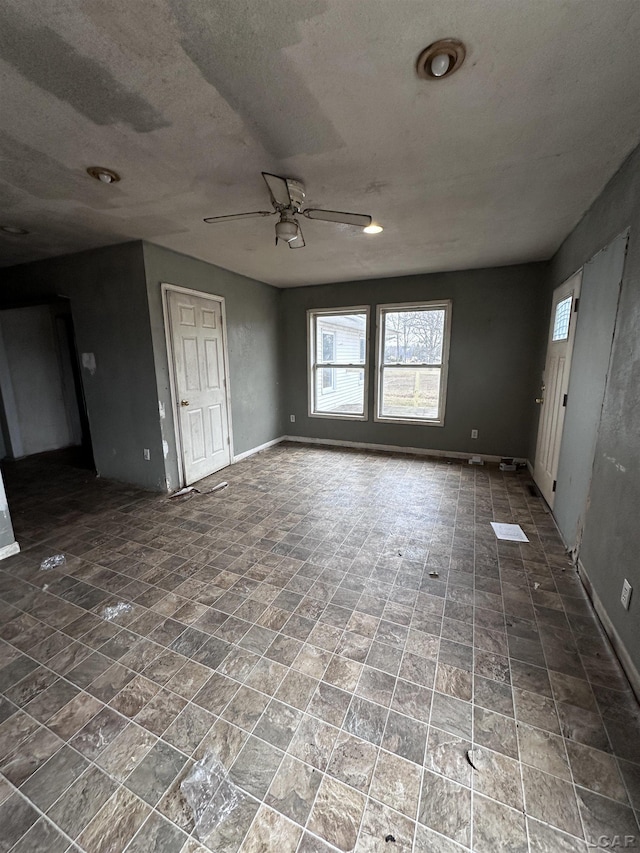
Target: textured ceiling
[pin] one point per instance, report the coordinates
(189, 101)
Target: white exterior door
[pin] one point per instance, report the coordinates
(555, 382)
(197, 337)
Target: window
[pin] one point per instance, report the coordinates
(338, 363)
(413, 350)
(561, 320)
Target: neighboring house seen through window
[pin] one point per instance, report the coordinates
(338, 363)
(412, 351)
(328, 355)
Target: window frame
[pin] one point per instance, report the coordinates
(381, 310)
(313, 365)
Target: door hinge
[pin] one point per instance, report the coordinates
(555, 483)
(576, 303)
(564, 400)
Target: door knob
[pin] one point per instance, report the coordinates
(184, 402)
(538, 400)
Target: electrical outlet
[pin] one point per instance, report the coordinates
(474, 433)
(292, 418)
(147, 454)
(625, 598)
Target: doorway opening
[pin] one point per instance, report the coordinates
(42, 407)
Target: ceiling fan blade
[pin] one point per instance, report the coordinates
(360, 219)
(278, 189)
(298, 243)
(239, 216)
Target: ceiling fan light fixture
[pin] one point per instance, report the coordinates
(373, 229)
(287, 230)
(106, 176)
(441, 59)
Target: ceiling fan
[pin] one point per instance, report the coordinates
(287, 196)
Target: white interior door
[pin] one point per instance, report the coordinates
(555, 382)
(197, 336)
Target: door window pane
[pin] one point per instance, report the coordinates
(561, 322)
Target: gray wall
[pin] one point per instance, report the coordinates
(611, 535)
(252, 312)
(110, 311)
(497, 334)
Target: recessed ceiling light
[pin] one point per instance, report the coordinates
(440, 59)
(373, 229)
(107, 176)
(13, 229)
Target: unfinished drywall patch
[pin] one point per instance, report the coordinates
(615, 463)
(89, 362)
(242, 54)
(596, 319)
(611, 536)
(40, 55)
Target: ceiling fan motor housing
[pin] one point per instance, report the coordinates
(296, 193)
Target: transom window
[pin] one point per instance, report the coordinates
(338, 363)
(413, 350)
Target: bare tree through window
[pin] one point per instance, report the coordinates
(411, 373)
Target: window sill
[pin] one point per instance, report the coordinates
(333, 417)
(415, 421)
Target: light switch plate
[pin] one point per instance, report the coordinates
(625, 598)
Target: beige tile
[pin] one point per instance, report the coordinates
(271, 830)
(396, 782)
(337, 813)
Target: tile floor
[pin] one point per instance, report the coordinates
(291, 625)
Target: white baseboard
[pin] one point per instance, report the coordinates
(618, 646)
(393, 448)
(240, 456)
(9, 550)
(364, 445)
